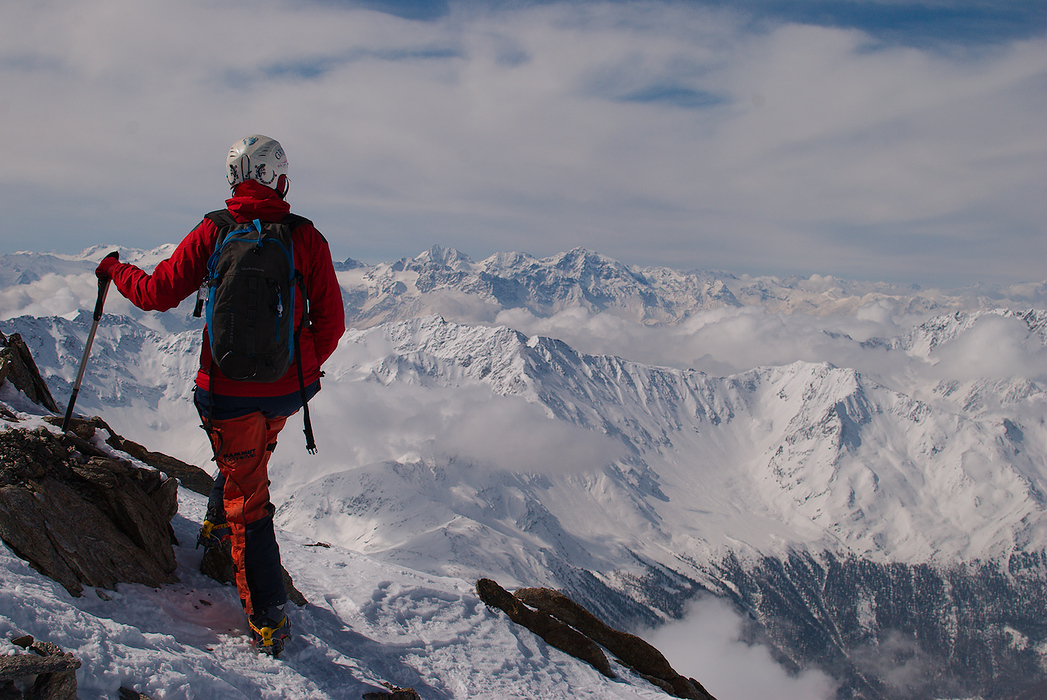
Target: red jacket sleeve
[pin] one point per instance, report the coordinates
(326, 310)
(173, 279)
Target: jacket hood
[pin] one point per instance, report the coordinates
(253, 200)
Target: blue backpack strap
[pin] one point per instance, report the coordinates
(224, 221)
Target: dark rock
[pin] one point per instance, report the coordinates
(553, 631)
(22, 665)
(73, 511)
(393, 694)
(632, 651)
(192, 477)
(293, 594)
(18, 367)
(81, 516)
(217, 563)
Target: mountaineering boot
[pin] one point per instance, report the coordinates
(270, 630)
(212, 534)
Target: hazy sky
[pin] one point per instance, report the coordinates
(892, 140)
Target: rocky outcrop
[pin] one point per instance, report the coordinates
(129, 694)
(629, 649)
(571, 628)
(191, 477)
(75, 512)
(18, 367)
(566, 639)
(394, 693)
(81, 516)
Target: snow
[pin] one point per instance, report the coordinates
(366, 623)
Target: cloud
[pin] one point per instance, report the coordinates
(728, 341)
(366, 421)
(59, 295)
(995, 347)
(905, 669)
(657, 133)
(706, 645)
(723, 342)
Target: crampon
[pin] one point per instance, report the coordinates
(270, 631)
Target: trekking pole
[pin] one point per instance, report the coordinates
(103, 287)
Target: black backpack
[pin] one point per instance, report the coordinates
(252, 289)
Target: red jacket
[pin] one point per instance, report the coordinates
(180, 275)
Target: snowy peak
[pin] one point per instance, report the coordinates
(447, 282)
(443, 257)
(574, 279)
(580, 278)
(828, 455)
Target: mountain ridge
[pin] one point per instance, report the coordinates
(653, 295)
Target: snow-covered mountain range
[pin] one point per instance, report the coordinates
(859, 468)
(647, 295)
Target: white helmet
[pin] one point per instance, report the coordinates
(261, 158)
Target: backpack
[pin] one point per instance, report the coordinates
(250, 291)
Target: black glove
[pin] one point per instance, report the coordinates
(104, 270)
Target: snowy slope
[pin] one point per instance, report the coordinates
(367, 623)
(676, 464)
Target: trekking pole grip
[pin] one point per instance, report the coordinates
(103, 287)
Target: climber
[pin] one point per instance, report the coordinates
(245, 392)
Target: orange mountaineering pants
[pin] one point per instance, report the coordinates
(242, 447)
(243, 433)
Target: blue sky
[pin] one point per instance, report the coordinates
(898, 141)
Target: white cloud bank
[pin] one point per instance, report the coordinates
(374, 422)
(707, 645)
